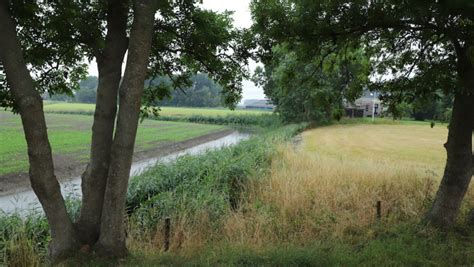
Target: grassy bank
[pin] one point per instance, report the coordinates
(70, 137)
(244, 120)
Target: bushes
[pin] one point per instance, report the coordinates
(264, 120)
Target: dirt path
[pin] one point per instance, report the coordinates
(67, 167)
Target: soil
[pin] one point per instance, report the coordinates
(68, 167)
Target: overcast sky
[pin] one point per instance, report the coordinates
(242, 19)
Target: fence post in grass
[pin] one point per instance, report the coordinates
(379, 209)
(167, 230)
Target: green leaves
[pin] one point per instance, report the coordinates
(59, 36)
(189, 40)
(308, 87)
(411, 44)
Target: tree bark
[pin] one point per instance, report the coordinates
(112, 234)
(459, 165)
(109, 64)
(30, 106)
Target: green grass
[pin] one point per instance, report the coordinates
(165, 111)
(404, 245)
(70, 137)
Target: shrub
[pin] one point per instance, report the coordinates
(263, 120)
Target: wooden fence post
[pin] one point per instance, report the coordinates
(379, 210)
(167, 230)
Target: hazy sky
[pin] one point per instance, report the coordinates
(242, 19)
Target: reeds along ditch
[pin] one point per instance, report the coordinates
(199, 193)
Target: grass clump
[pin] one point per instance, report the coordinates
(23, 240)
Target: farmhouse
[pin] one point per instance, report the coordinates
(258, 104)
(365, 106)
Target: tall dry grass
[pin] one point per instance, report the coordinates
(312, 197)
(20, 252)
(306, 197)
(312, 194)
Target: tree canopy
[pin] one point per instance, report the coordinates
(304, 88)
(411, 44)
(59, 38)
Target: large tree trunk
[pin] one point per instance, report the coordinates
(459, 165)
(109, 63)
(30, 106)
(112, 234)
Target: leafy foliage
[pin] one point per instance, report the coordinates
(414, 46)
(189, 40)
(58, 36)
(263, 120)
(306, 88)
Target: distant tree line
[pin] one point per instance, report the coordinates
(421, 109)
(202, 92)
(85, 94)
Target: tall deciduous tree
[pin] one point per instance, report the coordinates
(416, 48)
(47, 54)
(28, 102)
(303, 88)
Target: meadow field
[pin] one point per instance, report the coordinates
(70, 137)
(78, 108)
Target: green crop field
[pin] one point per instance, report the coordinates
(58, 107)
(70, 137)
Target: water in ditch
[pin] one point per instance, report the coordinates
(27, 201)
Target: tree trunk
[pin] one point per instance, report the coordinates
(112, 234)
(94, 179)
(459, 165)
(30, 105)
